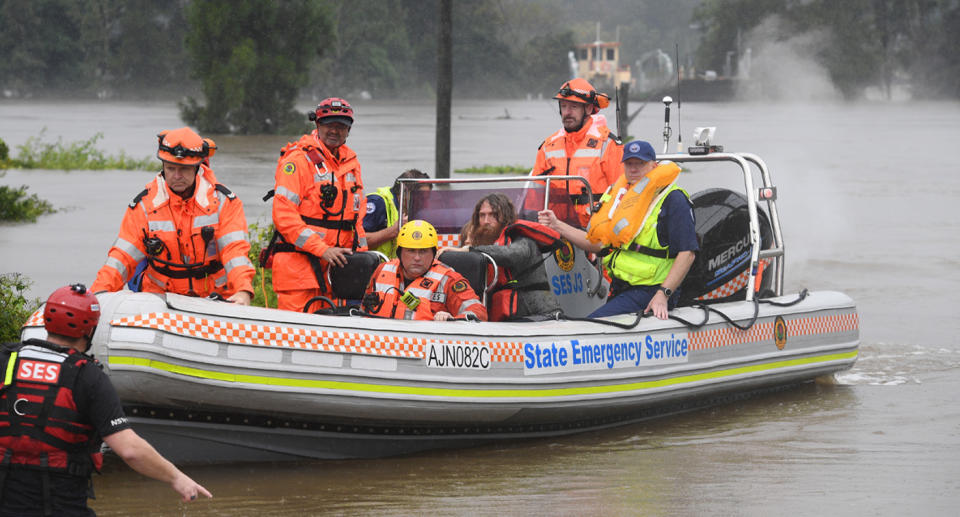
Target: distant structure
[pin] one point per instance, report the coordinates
(599, 63)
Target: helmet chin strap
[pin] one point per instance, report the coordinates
(89, 344)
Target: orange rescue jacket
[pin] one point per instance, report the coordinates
(593, 152)
(318, 202)
(439, 289)
(200, 244)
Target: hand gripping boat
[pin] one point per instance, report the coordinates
(209, 381)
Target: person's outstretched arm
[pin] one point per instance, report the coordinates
(576, 236)
(142, 457)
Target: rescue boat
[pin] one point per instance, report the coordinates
(208, 381)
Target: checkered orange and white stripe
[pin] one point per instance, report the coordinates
(413, 347)
(35, 319)
(736, 284)
(303, 338)
(813, 325)
(447, 240)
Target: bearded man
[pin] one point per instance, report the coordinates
(517, 248)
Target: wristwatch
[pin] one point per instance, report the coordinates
(666, 290)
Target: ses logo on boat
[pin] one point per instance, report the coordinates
(583, 354)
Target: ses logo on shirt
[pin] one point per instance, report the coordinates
(38, 371)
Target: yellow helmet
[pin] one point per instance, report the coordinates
(417, 234)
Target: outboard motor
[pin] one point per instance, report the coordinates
(723, 228)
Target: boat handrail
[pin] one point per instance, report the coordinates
(499, 179)
(742, 159)
(597, 264)
(777, 252)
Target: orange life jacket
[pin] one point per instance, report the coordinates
(624, 210)
(504, 300)
(39, 424)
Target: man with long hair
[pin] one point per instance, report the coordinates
(523, 286)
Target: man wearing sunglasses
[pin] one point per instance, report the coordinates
(585, 146)
(187, 229)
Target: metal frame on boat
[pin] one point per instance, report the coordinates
(210, 381)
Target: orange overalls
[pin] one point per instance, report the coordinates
(318, 203)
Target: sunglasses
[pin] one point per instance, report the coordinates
(566, 91)
(180, 151)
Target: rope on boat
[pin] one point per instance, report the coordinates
(707, 309)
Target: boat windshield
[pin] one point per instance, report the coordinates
(449, 209)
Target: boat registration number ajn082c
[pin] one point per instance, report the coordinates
(449, 355)
(595, 354)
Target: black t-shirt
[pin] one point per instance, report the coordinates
(100, 407)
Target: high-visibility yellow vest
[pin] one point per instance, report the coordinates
(643, 261)
(388, 248)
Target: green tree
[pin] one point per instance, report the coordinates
(252, 58)
(864, 42)
(724, 23)
(933, 60)
(143, 49)
(354, 61)
(15, 308)
(41, 48)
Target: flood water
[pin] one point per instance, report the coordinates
(866, 199)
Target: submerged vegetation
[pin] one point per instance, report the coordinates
(38, 154)
(16, 205)
(496, 169)
(15, 308)
(263, 295)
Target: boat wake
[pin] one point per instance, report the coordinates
(892, 364)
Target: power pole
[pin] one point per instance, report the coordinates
(444, 87)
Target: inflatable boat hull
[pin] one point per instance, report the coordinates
(210, 381)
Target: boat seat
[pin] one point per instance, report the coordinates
(475, 268)
(350, 282)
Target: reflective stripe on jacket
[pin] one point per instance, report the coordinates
(639, 267)
(39, 423)
(592, 152)
(220, 255)
(439, 289)
(308, 220)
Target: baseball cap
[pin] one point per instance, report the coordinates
(639, 149)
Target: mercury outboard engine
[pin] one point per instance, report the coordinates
(723, 229)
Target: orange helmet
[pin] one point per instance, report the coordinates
(333, 109)
(184, 146)
(579, 90)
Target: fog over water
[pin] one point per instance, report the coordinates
(866, 199)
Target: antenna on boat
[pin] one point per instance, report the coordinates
(676, 47)
(616, 92)
(667, 131)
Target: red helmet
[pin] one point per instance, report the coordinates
(71, 311)
(184, 146)
(580, 90)
(333, 109)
